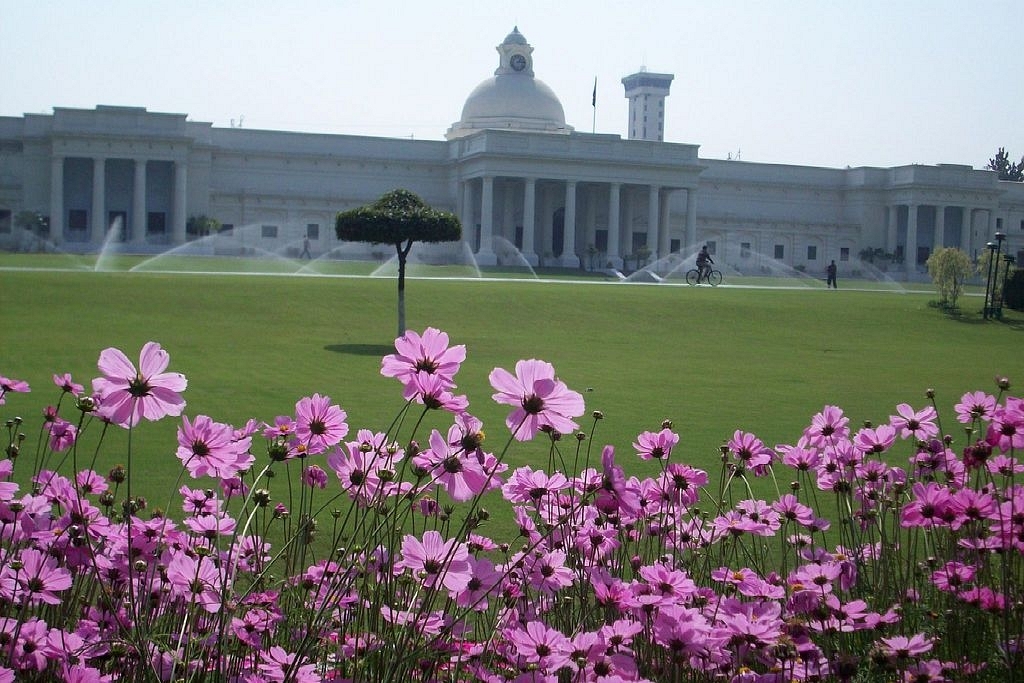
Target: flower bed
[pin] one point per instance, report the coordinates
(884, 554)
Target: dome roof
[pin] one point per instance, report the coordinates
(513, 99)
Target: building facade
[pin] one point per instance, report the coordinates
(526, 185)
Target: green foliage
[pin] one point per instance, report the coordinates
(1013, 294)
(201, 225)
(872, 254)
(398, 217)
(999, 269)
(33, 222)
(949, 269)
(1006, 169)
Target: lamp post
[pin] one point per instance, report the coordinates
(1008, 260)
(989, 285)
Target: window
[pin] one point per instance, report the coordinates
(712, 247)
(1022, 225)
(269, 231)
(780, 252)
(313, 231)
(227, 229)
(674, 246)
(999, 224)
(844, 254)
(812, 252)
(5, 222)
(156, 222)
(744, 249)
(601, 240)
(78, 219)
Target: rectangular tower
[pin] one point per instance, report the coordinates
(646, 92)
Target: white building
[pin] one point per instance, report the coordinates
(523, 181)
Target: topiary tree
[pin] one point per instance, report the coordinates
(949, 269)
(400, 218)
(1013, 290)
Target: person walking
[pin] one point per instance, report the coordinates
(831, 272)
(305, 249)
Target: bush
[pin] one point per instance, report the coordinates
(1013, 295)
(384, 571)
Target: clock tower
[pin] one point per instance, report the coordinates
(646, 92)
(515, 56)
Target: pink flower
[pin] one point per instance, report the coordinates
(902, 647)
(40, 578)
(7, 385)
(461, 474)
(751, 452)
(127, 395)
(538, 644)
(320, 425)
(975, 406)
(428, 353)
(656, 445)
(278, 665)
(434, 560)
(917, 424)
(876, 440)
(65, 383)
(206, 447)
(541, 400)
(195, 580)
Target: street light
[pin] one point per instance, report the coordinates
(989, 285)
(1008, 260)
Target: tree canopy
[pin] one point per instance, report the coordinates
(400, 218)
(1006, 169)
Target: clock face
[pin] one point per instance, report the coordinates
(517, 62)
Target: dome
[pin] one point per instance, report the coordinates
(513, 99)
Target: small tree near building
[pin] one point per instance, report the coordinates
(949, 269)
(399, 218)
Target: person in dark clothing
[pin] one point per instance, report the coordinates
(704, 262)
(305, 249)
(831, 272)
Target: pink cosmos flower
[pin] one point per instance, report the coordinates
(66, 384)
(7, 385)
(540, 400)
(434, 560)
(656, 445)
(128, 394)
(277, 664)
(206, 447)
(1006, 430)
(195, 580)
(433, 392)
(918, 424)
(902, 647)
(829, 424)
(427, 353)
(536, 643)
(320, 425)
(975, 405)
(751, 452)
(461, 475)
(876, 440)
(40, 579)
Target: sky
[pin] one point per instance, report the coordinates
(815, 83)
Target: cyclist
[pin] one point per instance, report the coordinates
(704, 262)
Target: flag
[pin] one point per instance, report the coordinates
(593, 100)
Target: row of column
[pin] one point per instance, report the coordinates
(98, 222)
(658, 212)
(939, 238)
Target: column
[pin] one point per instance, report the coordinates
(569, 258)
(940, 228)
(910, 250)
(893, 228)
(965, 230)
(485, 255)
(691, 217)
(652, 221)
(138, 229)
(57, 198)
(664, 225)
(614, 238)
(529, 220)
(98, 224)
(180, 202)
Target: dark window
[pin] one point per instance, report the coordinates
(999, 224)
(78, 219)
(5, 221)
(269, 231)
(744, 249)
(780, 252)
(844, 254)
(156, 223)
(812, 252)
(227, 229)
(313, 231)
(674, 246)
(712, 247)
(601, 240)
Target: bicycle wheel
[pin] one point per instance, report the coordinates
(715, 278)
(691, 277)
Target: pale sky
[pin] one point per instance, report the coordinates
(853, 83)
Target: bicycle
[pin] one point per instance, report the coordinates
(713, 277)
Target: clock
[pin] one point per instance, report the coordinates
(517, 62)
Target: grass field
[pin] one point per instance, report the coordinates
(710, 360)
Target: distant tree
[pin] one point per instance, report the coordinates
(201, 225)
(399, 218)
(949, 269)
(1006, 169)
(34, 222)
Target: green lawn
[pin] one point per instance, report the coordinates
(710, 360)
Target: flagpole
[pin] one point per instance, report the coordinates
(593, 103)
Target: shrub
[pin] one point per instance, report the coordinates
(1013, 294)
(949, 269)
(384, 573)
